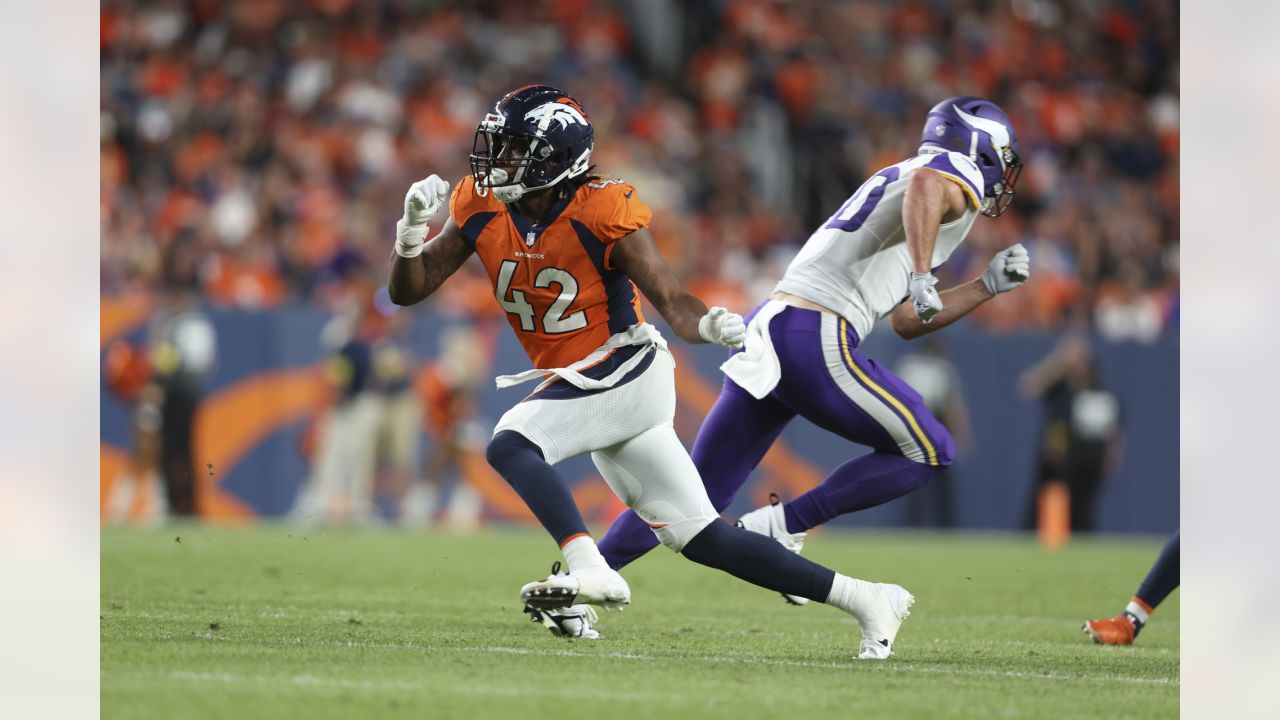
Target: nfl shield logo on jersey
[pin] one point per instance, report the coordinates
(530, 238)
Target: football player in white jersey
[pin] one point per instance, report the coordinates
(873, 258)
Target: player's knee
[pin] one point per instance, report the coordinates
(938, 451)
(673, 528)
(509, 447)
(677, 536)
(944, 448)
(709, 543)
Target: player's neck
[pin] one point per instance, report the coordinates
(535, 206)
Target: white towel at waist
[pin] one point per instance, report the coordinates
(640, 334)
(756, 369)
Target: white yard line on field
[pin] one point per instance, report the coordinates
(1042, 644)
(269, 612)
(891, 666)
(382, 686)
(310, 680)
(1014, 619)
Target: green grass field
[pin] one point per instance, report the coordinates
(276, 622)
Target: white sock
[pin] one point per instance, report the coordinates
(849, 594)
(1139, 612)
(581, 552)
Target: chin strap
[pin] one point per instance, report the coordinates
(509, 193)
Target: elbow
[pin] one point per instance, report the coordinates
(398, 296)
(905, 327)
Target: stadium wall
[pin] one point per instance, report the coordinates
(268, 386)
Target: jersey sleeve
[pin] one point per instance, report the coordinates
(615, 211)
(962, 171)
(464, 202)
(470, 211)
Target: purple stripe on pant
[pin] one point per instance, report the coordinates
(740, 429)
(910, 411)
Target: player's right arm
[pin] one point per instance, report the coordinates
(954, 302)
(418, 268)
(1008, 270)
(638, 257)
(414, 279)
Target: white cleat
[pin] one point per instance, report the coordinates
(881, 624)
(770, 521)
(577, 621)
(601, 586)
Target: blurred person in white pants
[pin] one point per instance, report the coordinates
(448, 392)
(341, 486)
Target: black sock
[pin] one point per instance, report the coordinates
(521, 464)
(1164, 575)
(759, 560)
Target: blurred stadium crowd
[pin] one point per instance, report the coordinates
(260, 149)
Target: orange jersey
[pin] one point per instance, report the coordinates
(554, 279)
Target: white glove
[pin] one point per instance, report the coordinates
(421, 203)
(1008, 269)
(723, 328)
(924, 297)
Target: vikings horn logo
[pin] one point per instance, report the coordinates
(559, 112)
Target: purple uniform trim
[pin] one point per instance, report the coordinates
(895, 386)
(943, 163)
(816, 384)
(813, 385)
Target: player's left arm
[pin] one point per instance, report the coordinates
(638, 257)
(1009, 269)
(932, 199)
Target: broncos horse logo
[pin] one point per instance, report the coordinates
(561, 111)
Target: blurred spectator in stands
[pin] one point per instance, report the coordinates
(280, 136)
(938, 382)
(1083, 431)
(1127, 309)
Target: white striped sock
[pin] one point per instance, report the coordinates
(1138, 612)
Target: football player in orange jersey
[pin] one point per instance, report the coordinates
(566, 251)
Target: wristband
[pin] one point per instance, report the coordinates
(410, 239)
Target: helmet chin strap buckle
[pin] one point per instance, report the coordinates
(508, 193)
(504, 193)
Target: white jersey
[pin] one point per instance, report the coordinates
(858, 263)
